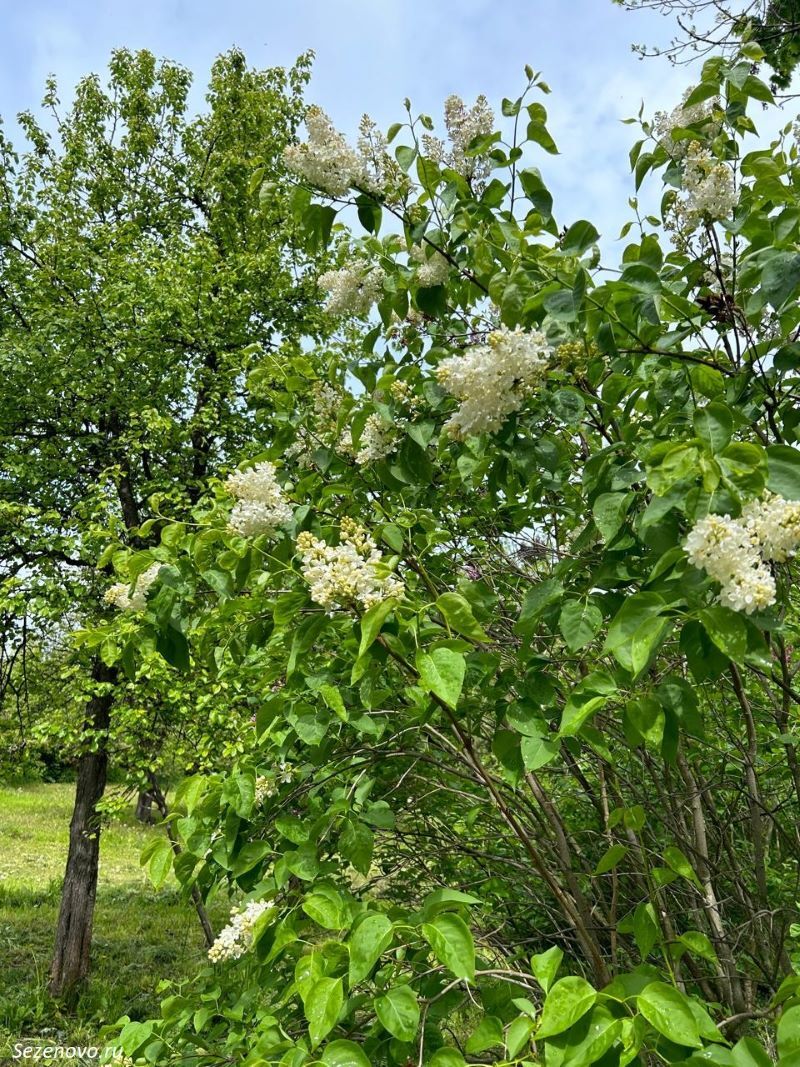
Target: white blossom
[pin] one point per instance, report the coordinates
(775, 522)
(237, 937)
(729, 553)
(301, 449)
(709, 190)
(285, 772)
(709, 184)
(265, 788)
(678, 119)
(261, 507)
(326, 160)
(492, 380)
(121, 597)
(381, 171)
(378, 440)
(352, 292)
(463, 126)
(749, 591)
(433, 268)
(348, 573)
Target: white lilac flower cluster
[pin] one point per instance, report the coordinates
(678, 119)
(433, 268)
(237, 937)
(708, 181)
(302, 448)
(382, 172)
(260, 507)
(463, 126)
(326, 160)
(266, 784)
(350, 573)
(352, 291)
(119, 594)
(735, 552)
(328, 401)
(378, 440)
(265, 788)
(492, 380)
(709, 188)
(775, 523)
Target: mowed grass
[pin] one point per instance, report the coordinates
(140, 936)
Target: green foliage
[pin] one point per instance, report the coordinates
(522, 778)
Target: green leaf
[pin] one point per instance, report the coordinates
(727, 629)
(518, 1035)
(322, 1006)
(609, 511)
(303, 862)
(568, 1000)
(580, 236)
(578, 708)
(369, 939)
(783, 466)
(398, 1012)
(539, 133)
(675, 859)
(442, 673)
(488, 1034)
(536, 601)
(579, 623)
(698, 944)
(452, 944)
(646, 931)
(372, 622)
(369, 213)
(714, 424)
(610, 859)
(704, 91)
(545, 966)
(632, 618)
(173, 646)
(441, 899)
(447, 1057)
(668, 1011)
(344, 1054)
(326, 907)
(536, 192)
(592, 1038)
(356, 845)
(789, 1032)
(780, 278)
(160, 860)
(747, 1052)
(457, 610)
(249, 855)
(538, 750)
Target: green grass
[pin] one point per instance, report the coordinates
(140, 936)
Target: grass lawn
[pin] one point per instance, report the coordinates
(140, 936)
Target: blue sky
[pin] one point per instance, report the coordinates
(373, 53)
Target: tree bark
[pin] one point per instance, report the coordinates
(144, 807)
(74, 931)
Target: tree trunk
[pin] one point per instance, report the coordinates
(144, 807)
(74, 931)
